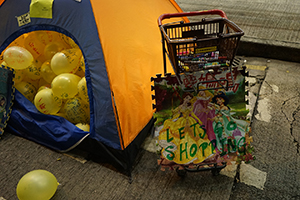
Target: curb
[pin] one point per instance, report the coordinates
(254, 47)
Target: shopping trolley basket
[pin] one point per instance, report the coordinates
(209, 44)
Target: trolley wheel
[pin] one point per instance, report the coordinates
(215, 172)
(181, 172)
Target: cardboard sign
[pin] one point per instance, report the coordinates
(199, 120)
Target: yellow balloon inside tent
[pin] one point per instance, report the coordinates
(82, 90)
(46, 72)
(46, 37)
(27, 89)
(52, 48)
(68, 41)
(33, 71)
(33, 45)
(77, 111)
(46, 102)
(19, 76)
(81, 69)
(83, 126)
(17, 57)
(66, 61)
(65, 85)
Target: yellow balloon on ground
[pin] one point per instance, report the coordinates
(27, 89)
(83, 126)
(17, 57)
(65, 85)
(33, 71)
(37, 185)
(66, 61)
(82, 90)
(52, 48)
(19, 76)
(46, 102)
(46, 72)
(77, 111)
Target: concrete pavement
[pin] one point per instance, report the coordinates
(272, 27)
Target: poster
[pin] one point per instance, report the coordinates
(6, 95)
(201, 117)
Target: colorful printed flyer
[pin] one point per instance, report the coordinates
(202, 118)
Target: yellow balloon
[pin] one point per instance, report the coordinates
(37, 185)
(46, 102)
(82, 90)
(17, 57)
(81, 69)
(19, 76)
(46, 72)
(42, 82)
(66, 61)
(33, 45)
(4, 64)
(52, 48)
(33, 71)
(43, 87)
(41, 58)
(77, 111)
(83, 126)
(68, 41)
(27, 89)
(46, 37)
(35, 83)
(65, 85)
(60, 114)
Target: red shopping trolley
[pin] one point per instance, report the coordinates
(206, 45)
(202, 54)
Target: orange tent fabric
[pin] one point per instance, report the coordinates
(131, 41)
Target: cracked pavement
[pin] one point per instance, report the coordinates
(274, 104)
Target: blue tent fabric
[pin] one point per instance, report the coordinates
(27, 121)
(71, 20)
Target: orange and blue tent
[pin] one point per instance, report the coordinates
(121, 45)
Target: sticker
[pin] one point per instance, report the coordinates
(206, 49)
(23, 19)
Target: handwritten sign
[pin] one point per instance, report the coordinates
(193, 126)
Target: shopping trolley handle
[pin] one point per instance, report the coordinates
(193, 13)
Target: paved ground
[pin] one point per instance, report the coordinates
(274, 103)
(272, 28)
